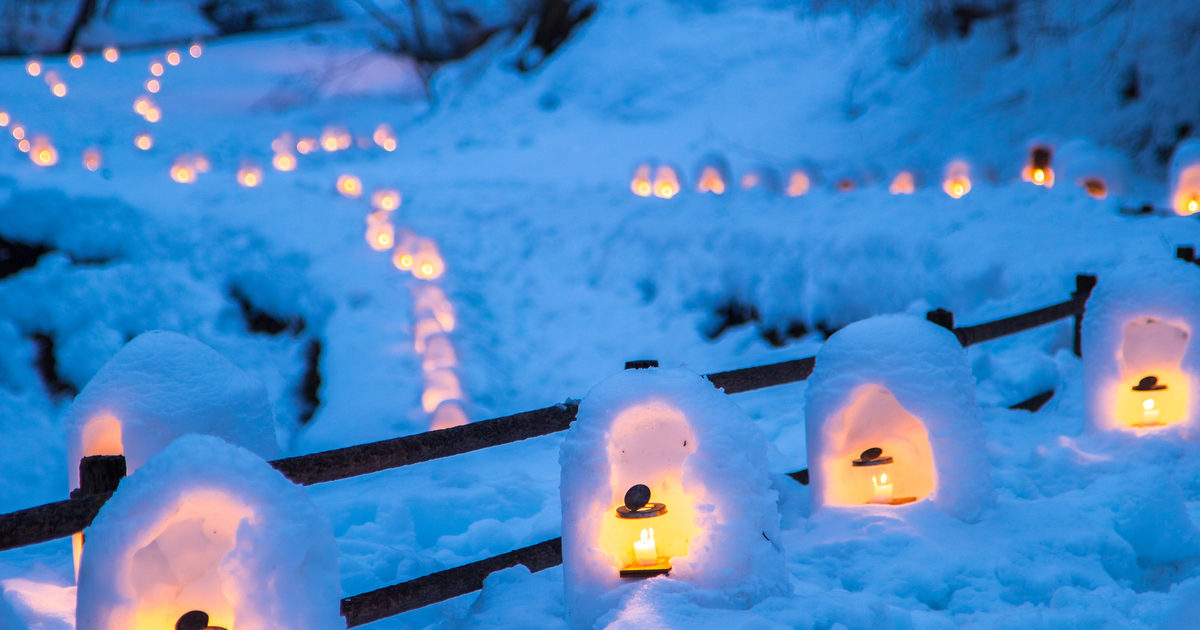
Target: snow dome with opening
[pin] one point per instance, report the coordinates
(662, 474)
(1141, 362)
(158, 387)
(892, 420)
(209, 530)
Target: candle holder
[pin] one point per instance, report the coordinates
(647, 562)
(1151, 414)
(882, 486)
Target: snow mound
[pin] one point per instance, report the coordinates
(158, 387)
(702, 457)
(1141, 322)
(901, 384)
(208, 526)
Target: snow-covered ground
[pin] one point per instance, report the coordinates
(558, 274)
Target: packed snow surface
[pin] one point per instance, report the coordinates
(558, 274)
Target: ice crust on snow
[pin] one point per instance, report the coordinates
(625, 431)
(160, 386)
(206, 525)
(923, 368)
(1142, 318)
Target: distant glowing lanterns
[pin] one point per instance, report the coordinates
(798, 184)
(42, 152)
(381, 234)
(431, 301)
(439, 354)
(23, 146)
(183, 171)
(33, 67)
(195, 50)
(349, 186)
(750, 180)
(142, 104)
(1095, 187)
(1038, 170)
(641, 185)
(75, 60)
(427, 261)
(173, 57)
(156, 68)
(448, 414)
(200, 163)
(386, 199)
(440, 386)
(284, 162)
(666, 182)
(711, 180)
(335, 139)
(57, 86)
(92, 159)
(384, 137)
(404, 252)
(111, 54)
(143, 141)
(250, 175)
(153, 86)
(1186, 199)
(903, 184)
(18, 132)
(306, 145)
(153, 115)
(957, 181)
(4, 118)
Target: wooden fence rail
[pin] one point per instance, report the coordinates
(64, 518)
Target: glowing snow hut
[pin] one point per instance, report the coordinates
(1141, 362)
(892, 420)
(207, 528)
(665, 453)
(158, 387)
(1185, 178)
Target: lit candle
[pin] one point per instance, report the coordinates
(284, 161)
(711, 181)
(92, 159)
(144, 141)
(641, 181)
(666, 184)
(349, 185)
(883, 489)
(1149, 412)
(249, 176)
(644, 551)
(904, 184)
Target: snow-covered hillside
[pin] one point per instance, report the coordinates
(557, 274)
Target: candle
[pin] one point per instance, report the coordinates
(883, 489)
(1149, 412)
(644, 550)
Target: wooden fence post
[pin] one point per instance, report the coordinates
(1084, 283)
(641, 364)
(99, 474)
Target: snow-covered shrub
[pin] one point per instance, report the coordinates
(900, 384)
(703, 458)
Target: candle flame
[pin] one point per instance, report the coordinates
(958, 181)
(641, 181)
(666, 183)
(4, 118)
(1186, 198)
(33, 67)
(249, 176)
(1148, 404)
(349, 186)
(284, 162)
(143, 141)
(76, 60)
(386, 199)
(183, 173)
(173, 57)
(43, 153)
(111, 54)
